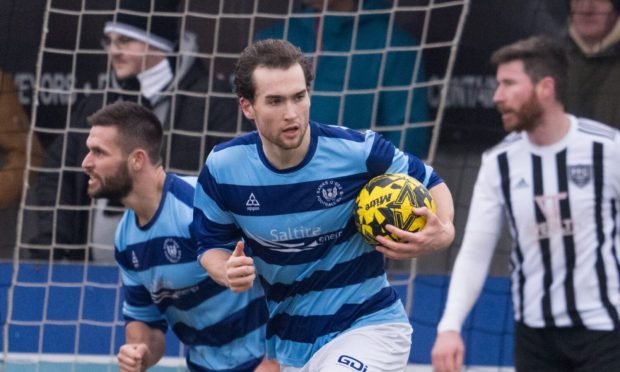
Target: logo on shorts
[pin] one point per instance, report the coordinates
(580, 174)
(352, 363)
(172, 250)
(329, 193)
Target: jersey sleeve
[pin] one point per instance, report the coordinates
(384, 157)
(213, 226)
(486, 213)
(137, 303)
(482, 231)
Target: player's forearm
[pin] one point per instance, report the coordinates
(214, 261)
(140, 333)
(467, 279)
(444, 211)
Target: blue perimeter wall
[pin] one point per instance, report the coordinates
(488, 331)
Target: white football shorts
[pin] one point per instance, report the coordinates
(376, 348)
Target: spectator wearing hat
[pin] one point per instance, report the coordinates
(151, 65)
(593, 35)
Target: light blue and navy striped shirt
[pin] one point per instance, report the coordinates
(319, 276)
(165, 286)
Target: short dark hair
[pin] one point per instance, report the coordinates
(270, 53)
(137, 127)
(541, 57)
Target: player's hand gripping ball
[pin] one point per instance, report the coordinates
(390, 199)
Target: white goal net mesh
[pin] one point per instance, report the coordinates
(380, 64)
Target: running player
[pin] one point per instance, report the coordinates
(288, 190)
(164, 285)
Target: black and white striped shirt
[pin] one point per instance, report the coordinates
(561, 202)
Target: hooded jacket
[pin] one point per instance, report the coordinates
(181, 107)
(594, 78)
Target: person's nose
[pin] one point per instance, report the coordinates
(87, 162)
(291, 110)
(498, 96)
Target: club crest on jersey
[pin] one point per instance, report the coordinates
(252, 204)
(581, 174)
(352, 363)
(172, 250)
(329, 193)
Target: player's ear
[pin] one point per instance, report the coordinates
(246, 108)
(137, 159)
(546, 87)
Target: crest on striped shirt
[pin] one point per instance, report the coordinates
(580, 174)
(329, 193)
(172, 250)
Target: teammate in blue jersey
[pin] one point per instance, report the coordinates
(287, 190)
(164, 285)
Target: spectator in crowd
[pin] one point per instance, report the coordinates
(150, 65)
(594, 60)
(14, 128)
(164, 285)
(557, 181)
(290, 200)
(342, 33)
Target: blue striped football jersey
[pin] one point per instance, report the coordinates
(165, 287)
(320, 277)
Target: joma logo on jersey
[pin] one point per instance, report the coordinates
(352, 363)
(380, 200)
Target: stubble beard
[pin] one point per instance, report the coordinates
(288, 145)
(116, 187)
(528, 116)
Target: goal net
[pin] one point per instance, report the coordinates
(380, 64)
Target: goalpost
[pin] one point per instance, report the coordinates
(63, 307)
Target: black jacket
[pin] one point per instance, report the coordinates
(184, 116)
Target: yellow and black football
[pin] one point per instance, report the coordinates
(390, 199)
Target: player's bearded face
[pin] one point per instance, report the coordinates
(114, 187)
(516, 98)
(522, 118)
(106, 164)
